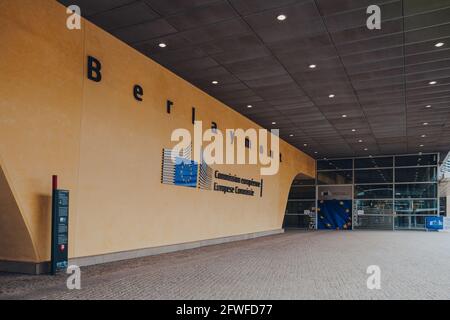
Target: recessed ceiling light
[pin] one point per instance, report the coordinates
(428, 106)
(281, 17)
(366, 149)
(439, 44)
(315, 152)
(360, 141)
(424, 136)
(291, 135)
(274, 123)
(421, 146)
(312, 66)
(305, 144)
(344, 116)
(353, 130)
(249, 106)
(425, 123)
(432, 83)
(215, 82)
(162, 45)
(331, 96)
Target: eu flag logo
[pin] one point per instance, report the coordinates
(186, 173)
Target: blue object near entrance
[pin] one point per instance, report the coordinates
(434, 223)
(334, 215)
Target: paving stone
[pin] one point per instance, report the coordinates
(295, 265)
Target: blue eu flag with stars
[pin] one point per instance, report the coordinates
(186, 173)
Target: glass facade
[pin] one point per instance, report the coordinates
(402, 188)
(416, 191)
(443, 207)
(374, 191)
(417, 160)
(303, 193)
(374, 176)
(334, 177)
(375, 206)
(387, 192)
(300, 210)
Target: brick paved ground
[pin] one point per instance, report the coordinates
(317, 265)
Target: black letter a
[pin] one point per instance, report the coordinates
(94, 68)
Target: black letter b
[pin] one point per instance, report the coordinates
(94, 69)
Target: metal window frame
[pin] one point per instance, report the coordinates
(393, 183)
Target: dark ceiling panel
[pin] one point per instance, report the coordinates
(371, 56)
(413, 7)
(131, 14)
(144, 31)
(175, 41)
(379, 79)
(173, 57)
(245, 44)
(246, 7)
(304, 21)
(427, 19)
(362, 33)
(330, 7)
(90, 7)
(170, 7)
(219, 30)
(205, 15)
(357, 18)
(370, 44)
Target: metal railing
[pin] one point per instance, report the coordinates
(390, 222)
(299, 221)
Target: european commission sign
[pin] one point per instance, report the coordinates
(184, 172)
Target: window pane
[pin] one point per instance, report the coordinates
(427, 174)
(384, 162)
(374, 176)
(334, 177)
(296, 222)
(303, 182)
(335, 164)
(375, 191)
(422, 207)
(409, 222)
(443, 206)
(374, 206)
(412, 161)
(422, 190)
(299, 192)
(299, 207)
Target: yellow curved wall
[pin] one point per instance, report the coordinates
(106, 147)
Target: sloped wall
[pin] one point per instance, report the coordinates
(15, 240)
(40, 109)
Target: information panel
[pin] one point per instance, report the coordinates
(434, 223)
(60, 230)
